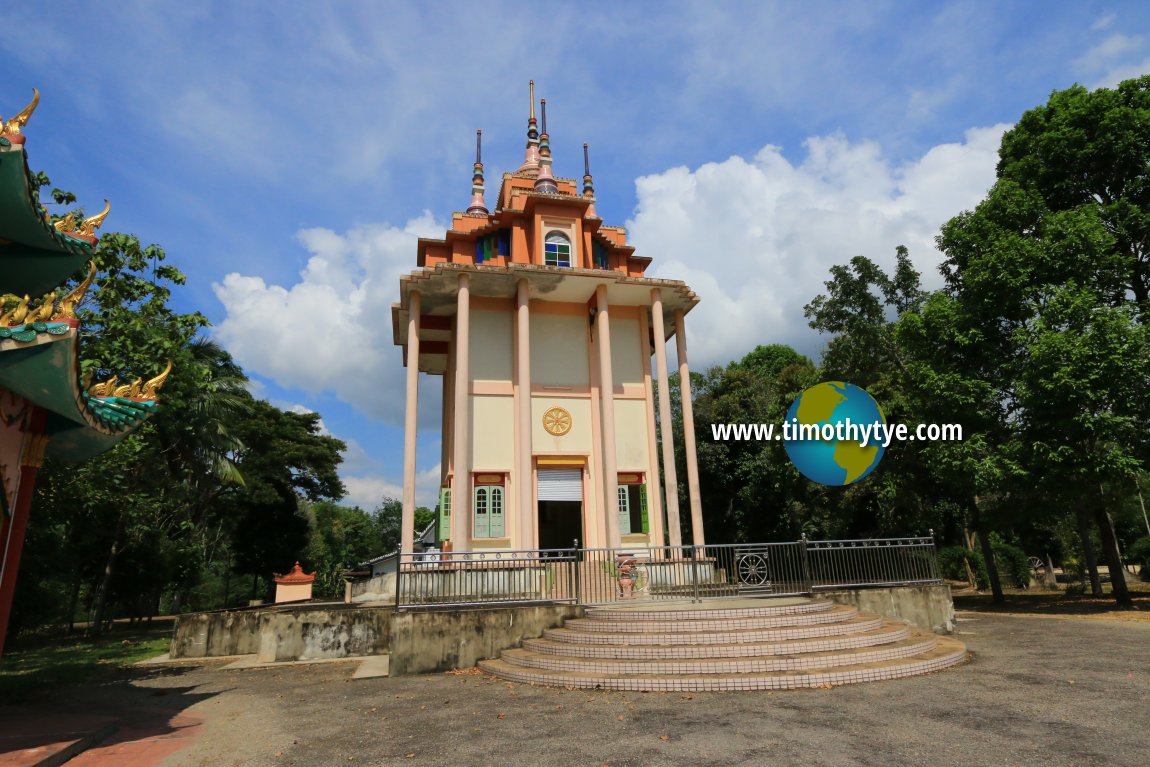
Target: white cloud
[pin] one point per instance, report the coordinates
(755, 238)
(331, 331)
(1116, 58)
(367, 490)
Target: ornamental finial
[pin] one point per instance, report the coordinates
(89, 225)
(545, 182)
(531, 155)
(68, 304)
(588, 184)
(13, 126)
(478, 203)
(153, 384)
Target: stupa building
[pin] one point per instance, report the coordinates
(552, 345)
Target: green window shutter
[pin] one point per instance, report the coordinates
(624, 511)
(643, 508)
(482, 528)
(495, 511)
(444, 513)
(488, 242)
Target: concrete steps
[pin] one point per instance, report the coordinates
(750, 645)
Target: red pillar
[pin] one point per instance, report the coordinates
(12, 540)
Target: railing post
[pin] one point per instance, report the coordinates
(695, 571)
(935, 570)
(398, 580)
(808, 582)
(575, 569)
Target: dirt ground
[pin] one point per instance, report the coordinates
(1039, 691)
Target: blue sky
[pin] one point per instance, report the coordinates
(288, 154)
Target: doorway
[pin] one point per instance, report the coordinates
(560, 507)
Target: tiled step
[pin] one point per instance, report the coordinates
(888, 632)
(761, 608)
(861, 622)
(947, 652)
(920, 643)
(690, 625)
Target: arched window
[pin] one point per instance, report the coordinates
(488, 512)
(557, 250)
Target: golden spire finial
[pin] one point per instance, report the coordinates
(89, 225)
(532, 87)
(153, 385)
(14, 125)
(69, 302)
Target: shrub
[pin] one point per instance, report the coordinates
(950, 561)
(1013, 564)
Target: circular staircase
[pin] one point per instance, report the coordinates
(745, 644)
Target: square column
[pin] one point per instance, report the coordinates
(689, 432)
(461, 465)
(670, 476)
(410, 425)
(607, 416)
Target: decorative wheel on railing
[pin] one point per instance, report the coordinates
(752, 569)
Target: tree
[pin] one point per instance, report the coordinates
(1051, 272)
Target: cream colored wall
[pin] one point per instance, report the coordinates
(631, 435)
(490, 345)
(626, 353)
(492, 433)
(292, 592)
(575, 442)
(558, 350)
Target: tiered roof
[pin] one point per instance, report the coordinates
(39, 331)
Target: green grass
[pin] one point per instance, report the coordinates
(38, 663)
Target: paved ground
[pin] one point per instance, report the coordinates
(1040, 691)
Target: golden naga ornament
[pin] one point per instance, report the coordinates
(89, 225)
(66, 225)
(16, 315)
(153, 384)
(557, 421)
(13, 126)
(68, 304)
(104, 388)
(44, 311)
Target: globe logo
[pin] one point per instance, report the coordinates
(822, 435)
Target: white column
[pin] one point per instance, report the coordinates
(525, 484)
(607, 414)
(670, 477)
(461, 487)
(410, 425)
(689, 432)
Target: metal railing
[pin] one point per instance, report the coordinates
(604, 575)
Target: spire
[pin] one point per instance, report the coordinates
(478, 204)
(545, 182)
(531, 159)
(588, 185)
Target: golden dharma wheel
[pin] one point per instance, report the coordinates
(557, 421)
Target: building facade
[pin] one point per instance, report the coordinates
(552, 346)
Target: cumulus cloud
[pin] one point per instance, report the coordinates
(331, 330)
(755, 237)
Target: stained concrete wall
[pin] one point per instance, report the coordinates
(323, 633)
(927, 607)
(423, 641)
(202, 635)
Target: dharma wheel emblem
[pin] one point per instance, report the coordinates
(557, 421)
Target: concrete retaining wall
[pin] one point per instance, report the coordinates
(927, 607)
(323, 633)
(429, 640)
(205, 635)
